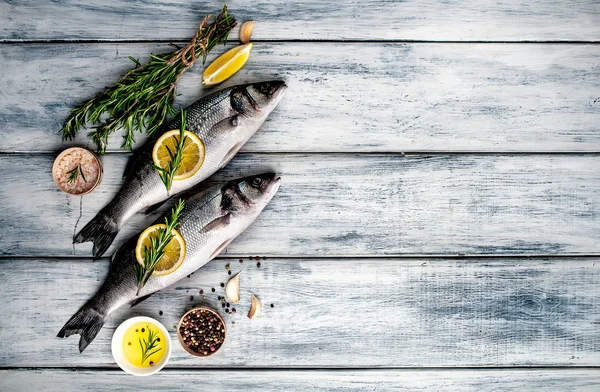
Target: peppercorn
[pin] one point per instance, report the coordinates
(272, 305)
(229, 272)
(213, 290)
(191, 297)
(222, 284)
(258, 264)
(201, 291)
(160, 313)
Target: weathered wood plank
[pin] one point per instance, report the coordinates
(305, 20)
(344, 97)
(350, 205)
(315, 380)
(414, 312)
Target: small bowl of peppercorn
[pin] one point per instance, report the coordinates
(201, 331)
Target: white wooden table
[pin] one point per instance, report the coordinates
(438, 223)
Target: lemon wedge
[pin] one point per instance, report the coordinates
(226, 65)
(174, 251)
(193, 153)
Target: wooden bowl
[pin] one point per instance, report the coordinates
(185, 346)
(68, 160)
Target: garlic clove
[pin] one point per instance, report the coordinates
(246, 31)
(232, 290)
(255, 308)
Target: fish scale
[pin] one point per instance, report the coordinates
(209, 221)
(223, 120)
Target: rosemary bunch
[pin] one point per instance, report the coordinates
(143, 97)
(156, 251)
(166, 175)
(147, 345)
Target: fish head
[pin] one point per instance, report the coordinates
(248, 196)
(256, 101)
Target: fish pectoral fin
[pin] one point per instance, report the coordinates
(219, 223)
(139, 300)
(230, 154)
(154, 207)
(220, 248)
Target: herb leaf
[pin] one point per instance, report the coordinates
(166, 175)
(74, 174)
(156, 251)
(143, 97)
(148, 345)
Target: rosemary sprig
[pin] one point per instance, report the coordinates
(166, 175)
(74, 174)
(147, 345)
(156, 251)
(143, 97)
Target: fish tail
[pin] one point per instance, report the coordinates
(101, 230)
(87, 322)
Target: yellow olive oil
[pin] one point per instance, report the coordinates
(144, 345)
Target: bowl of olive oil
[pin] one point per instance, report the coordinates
(141, 346)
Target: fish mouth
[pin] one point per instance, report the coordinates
(278, 90)
(275, 183)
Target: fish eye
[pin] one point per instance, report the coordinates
(256, 182)
(264, 87)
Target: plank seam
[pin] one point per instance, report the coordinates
(584, 257)
(407, 154)
(323, 369)
(332, 41)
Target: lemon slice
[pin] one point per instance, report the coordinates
(193, 153)
(174, 251)
(226, 64)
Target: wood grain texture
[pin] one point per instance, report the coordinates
(349, 205)
(118, 20)
(331, 312)
(314, 380)
(344, 97)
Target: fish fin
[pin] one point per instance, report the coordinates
(218, 223)
(155, 207)
(101, 230)
(87, 322)
(139, 300)
(230, 154)
(128, 167)
(220, 249)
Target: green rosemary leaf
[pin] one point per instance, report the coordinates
(156, 251)
(167, 174)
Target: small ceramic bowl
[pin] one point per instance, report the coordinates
(117, 347)
(82, 160)
(186, 347)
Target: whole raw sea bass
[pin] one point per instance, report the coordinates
(210, 220)
(223, 120)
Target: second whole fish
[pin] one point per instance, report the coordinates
(223, 120)
(209, 222)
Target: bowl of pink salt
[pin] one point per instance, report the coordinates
(77, 171)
